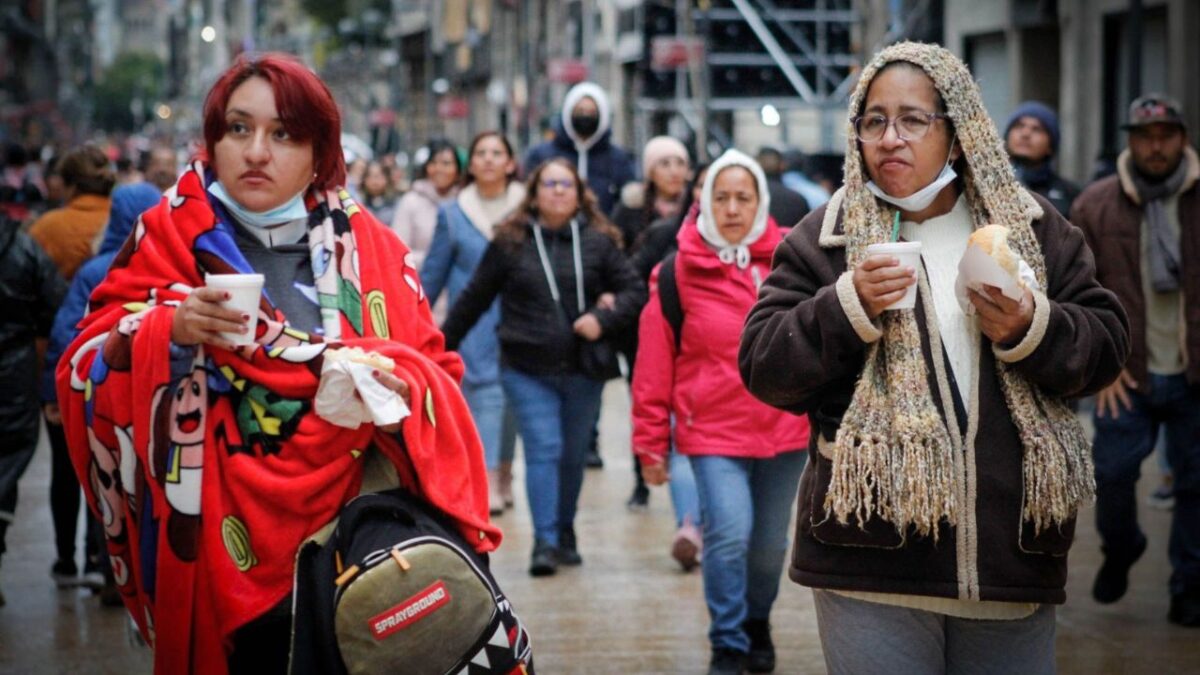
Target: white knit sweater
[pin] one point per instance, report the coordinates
(943, 242)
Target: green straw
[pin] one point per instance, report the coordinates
(896, 228)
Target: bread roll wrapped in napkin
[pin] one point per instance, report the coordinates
(350, 396)
(989, 261)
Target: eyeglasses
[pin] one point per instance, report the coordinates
(564, 183)
(910, 126)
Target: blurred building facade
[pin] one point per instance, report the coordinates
(714, 72)
(1087, 58)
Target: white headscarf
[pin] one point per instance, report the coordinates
(707, 224)
(582, 145)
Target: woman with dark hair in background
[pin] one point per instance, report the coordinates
(464, 229)
(550, 262)
(376, 191)
(665, 169)
(210, 461)
(436, 186)
(128, 203)
(661, 195)
(67, 234)
(659, 240)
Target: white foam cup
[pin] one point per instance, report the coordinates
(245, 292)
(909, 255)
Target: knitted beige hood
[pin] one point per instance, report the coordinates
(894, 455)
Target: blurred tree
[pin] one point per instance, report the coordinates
(130, 88)
(344, 18)
(328, 12)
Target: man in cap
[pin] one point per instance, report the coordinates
(1143, 224)
(1031, 138)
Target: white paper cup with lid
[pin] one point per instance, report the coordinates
(909, 255)
(245, 291)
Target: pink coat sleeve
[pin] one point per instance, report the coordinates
(653, 381)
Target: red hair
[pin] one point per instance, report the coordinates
(306, 109)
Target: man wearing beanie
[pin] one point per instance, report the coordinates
(1031, 138)
(1143, 224)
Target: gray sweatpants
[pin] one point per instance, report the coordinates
(861, 638)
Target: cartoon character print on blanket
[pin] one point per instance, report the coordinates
(209, 466)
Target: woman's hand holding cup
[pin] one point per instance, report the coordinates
(881, 281)
(202, 318)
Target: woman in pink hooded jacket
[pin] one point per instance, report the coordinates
(744, 453)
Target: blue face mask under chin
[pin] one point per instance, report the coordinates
(292, 209)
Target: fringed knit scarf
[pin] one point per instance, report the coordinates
(894, 456)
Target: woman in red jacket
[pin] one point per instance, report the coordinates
(742, 451)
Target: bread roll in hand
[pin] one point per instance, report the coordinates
(993, 239)
(358, 355)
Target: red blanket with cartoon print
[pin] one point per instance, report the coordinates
(209, 467)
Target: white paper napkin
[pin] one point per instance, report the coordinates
(349, 396)
(977, 269)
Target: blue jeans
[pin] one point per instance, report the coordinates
(1120, 446)
(745, 506)
(684, 498)
(486, 402)
(554, 415)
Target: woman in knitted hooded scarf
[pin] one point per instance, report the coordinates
(939, 501)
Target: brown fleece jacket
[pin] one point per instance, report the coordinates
(1110, 215)
(801, 351)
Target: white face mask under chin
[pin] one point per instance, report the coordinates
(921, 199)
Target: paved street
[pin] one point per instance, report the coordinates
(628, 609)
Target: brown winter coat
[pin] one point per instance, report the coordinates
(1110, 215)
(801, 352)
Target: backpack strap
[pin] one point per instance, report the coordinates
(668, 298)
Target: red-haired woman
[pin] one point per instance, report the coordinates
(211, 462)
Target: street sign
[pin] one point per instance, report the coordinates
(669, 52)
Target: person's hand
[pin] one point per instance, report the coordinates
(655, 474)
(587, 327)
(397, 385)
(53, 414)
(201, 319)
(607, 301)
(1112, 397)
(1003, 320)
(880, 281)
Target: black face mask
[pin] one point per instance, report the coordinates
(585, 125)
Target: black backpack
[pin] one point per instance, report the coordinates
(396, 589)
(668, 299)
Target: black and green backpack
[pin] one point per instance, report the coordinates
(396, 589)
